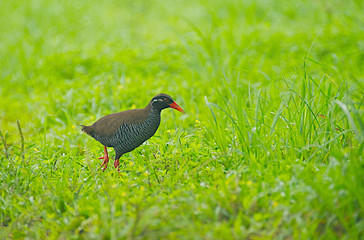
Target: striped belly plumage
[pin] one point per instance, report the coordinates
(130, 136)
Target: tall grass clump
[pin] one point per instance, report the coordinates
(306, 121)
(311, 125)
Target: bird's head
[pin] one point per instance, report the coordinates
(162, 101)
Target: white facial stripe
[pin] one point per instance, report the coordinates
(157, 100)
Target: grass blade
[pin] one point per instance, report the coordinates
(350, 119)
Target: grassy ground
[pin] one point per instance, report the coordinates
(270, 147)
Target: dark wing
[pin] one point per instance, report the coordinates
(108, 126)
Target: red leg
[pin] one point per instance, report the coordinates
(116, 164)
(106, 159)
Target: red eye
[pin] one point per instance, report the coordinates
(165, 100)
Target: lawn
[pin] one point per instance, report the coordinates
(270, 147)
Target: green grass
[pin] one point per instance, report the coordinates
(270, 147)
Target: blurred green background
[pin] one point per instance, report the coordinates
(270, 146)
(87, 57)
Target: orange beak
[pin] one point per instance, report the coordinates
(175, 106)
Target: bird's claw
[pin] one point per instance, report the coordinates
(106, 159)
(116, 164)
(104, 163)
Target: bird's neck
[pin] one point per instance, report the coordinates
(152, 111)
(154, 117)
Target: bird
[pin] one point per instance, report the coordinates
(124, 131)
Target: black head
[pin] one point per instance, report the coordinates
(162, 101)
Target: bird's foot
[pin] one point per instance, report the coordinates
(106, 159)
(116, 164)
(104, 163)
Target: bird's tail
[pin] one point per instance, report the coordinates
(86, 129)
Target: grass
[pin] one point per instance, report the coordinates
(270, 147)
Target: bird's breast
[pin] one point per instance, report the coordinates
(130, 136)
